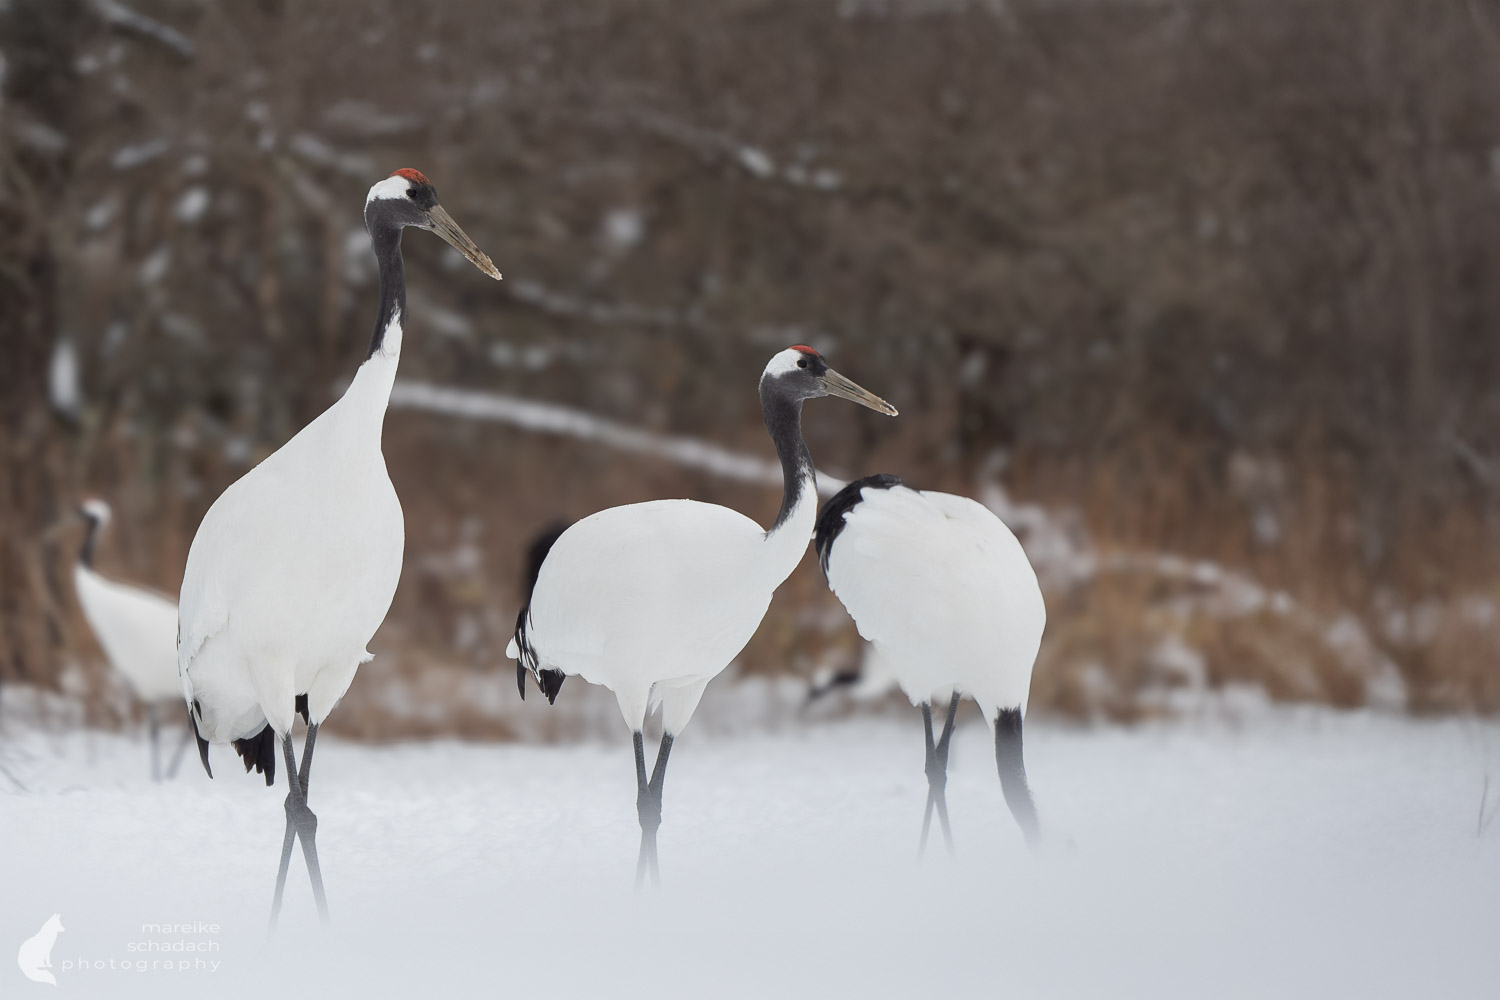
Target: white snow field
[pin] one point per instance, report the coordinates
(1298, 853)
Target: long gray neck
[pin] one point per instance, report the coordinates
(386, 236)
(783, 416)
(86, 554)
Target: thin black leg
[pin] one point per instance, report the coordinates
(941, 752)
(642, 807)
(658, 778)
(294, 788)
(155, 725)
(936, 769)
(308, 831)
(301, 824)
(928, 757)
(648, 805)
(1012, 766)
(182, 745)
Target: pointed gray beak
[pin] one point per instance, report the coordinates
(440, 222)
(837, 385)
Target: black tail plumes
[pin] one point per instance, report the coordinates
(845, 677)
(202, 743)
(525, 653)
(1012, 766)
(551, 681)
(259, 752)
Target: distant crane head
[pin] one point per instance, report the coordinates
(407, 198)
(95, 511)
(801, 373)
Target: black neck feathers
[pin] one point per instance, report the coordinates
(783, 415)
(385, 232)
(86, 554)
(831, 517)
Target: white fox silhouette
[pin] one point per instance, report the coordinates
(35, 957)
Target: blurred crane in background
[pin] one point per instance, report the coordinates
(137, 629)
(871, 679)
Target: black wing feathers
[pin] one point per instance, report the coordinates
(831, 517)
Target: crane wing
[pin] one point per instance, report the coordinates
(664, 580)
(936, 569)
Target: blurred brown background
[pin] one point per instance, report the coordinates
(1198, 294)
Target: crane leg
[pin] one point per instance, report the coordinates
(286, 863)
(936, 768)
(926, 825)
(1012, 766)
(649, 821)
(931, 792)
(155, 725)
(301, 824)
(182, 745)
(648, 805)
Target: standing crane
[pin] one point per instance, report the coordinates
(942, 590)
(137, 629)
(654, 599)
(295, 564)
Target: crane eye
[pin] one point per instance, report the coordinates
(412, 193)
(802, 363)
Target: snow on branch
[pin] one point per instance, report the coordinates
(130, 22)
(716, 146)
(550, 418)
(1485, 470)
(531, 293)
(320, 153)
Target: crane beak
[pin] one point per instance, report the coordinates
(837, 385)
(440, 222)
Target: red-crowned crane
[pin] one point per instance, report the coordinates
(136, 628)
(294, 566)
(942, 590)
(653, 600)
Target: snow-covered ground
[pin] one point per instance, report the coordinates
(1300, 853)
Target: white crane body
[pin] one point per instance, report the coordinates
(942, 589)
(643, 571)
(293, 569)
(945, 595)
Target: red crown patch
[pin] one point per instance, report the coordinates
(415, 176)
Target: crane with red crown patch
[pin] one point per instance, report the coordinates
(655, 599)
(303, 553)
